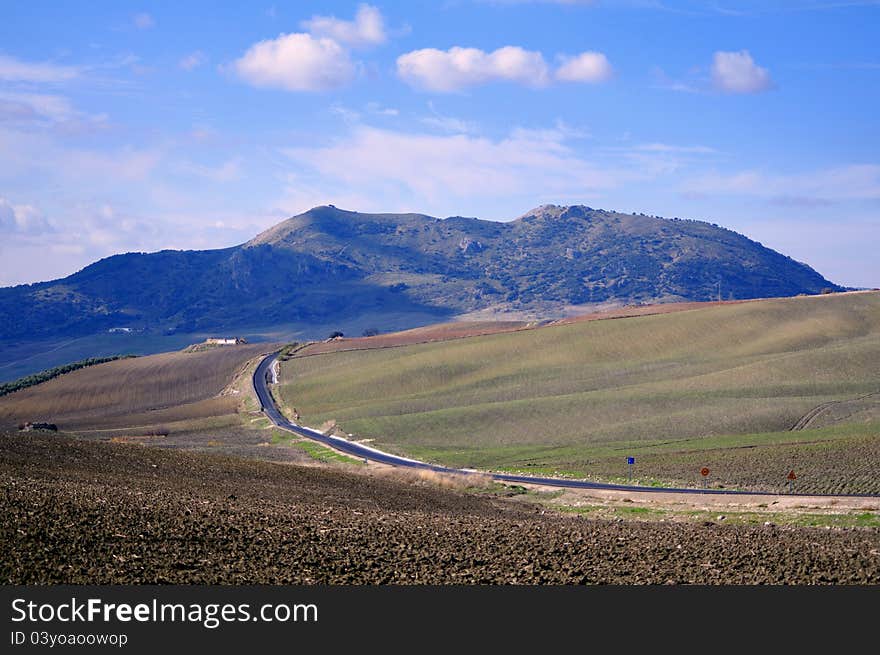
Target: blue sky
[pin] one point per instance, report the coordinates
(141, 126)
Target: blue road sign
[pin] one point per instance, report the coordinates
(630, 460)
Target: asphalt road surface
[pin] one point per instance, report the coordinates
(270, 408)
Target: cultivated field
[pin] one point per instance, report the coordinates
(717, 386)
(475, 328)
(167, 389)
(98, 513)
(439, 332)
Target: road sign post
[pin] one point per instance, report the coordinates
(791, 478)
(705, 473)
(630, 461)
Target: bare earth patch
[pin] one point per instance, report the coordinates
(87, 512)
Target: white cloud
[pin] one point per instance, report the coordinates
(458, 68)
(736, 72)
(296, 62)
(366, 29)
(193, 60)
(21, 219)
(843, 183)
(15, 70)
(589, 67)
(143, 21)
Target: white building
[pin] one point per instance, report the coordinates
(224, 341)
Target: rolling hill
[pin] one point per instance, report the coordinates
(329, 263)
(721, 385)
(145, 392)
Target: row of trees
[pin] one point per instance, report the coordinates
(369, 332)
(48, 374)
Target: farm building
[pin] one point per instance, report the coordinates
(224, 341)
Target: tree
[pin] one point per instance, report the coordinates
(370, 332)
(335, 335)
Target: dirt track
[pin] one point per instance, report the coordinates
(86, 512)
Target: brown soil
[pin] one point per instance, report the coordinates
(88, 512)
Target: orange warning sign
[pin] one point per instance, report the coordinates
(704, 471)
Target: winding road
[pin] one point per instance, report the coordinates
(271, 410)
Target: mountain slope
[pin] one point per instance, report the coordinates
(329, 262)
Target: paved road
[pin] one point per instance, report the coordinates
(365, 452)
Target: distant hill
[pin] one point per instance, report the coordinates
(329, 262)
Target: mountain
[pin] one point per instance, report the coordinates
(329, 262)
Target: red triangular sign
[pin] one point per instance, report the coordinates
(791, 475)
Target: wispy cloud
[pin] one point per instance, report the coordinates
(380, 110)
(666, 147)
(734, 8)
(439, 172)
(664, 81)
(448, 124)
(226, 172)
(55, 113)
(346, 114)
(815, 188)
(143, 21)
(193, 60)
(35, 106)
(16, 70)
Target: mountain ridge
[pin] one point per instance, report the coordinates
(329, 261)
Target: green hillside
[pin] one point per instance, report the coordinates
(570, 397)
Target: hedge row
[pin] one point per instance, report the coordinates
(48, 374)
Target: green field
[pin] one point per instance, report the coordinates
(578, 398)
(316, 451)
